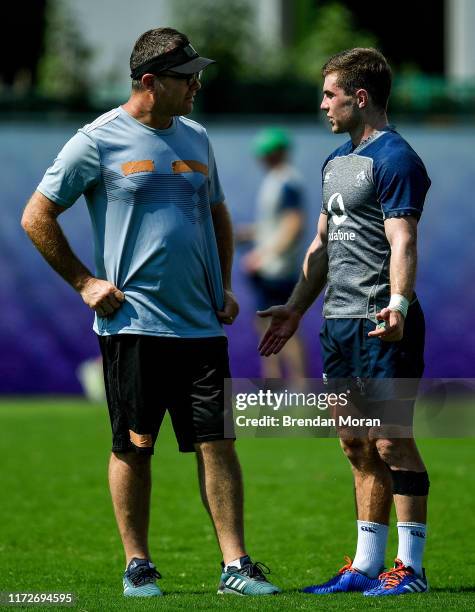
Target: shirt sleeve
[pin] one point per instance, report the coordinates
(216, 194)
(322, 209)
(401, 185)
(75, 170)
(291, 197)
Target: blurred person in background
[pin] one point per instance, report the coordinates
(365, 251)
(274, 262)
(162, 290)
(90, 374)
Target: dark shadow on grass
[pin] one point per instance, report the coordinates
(464, 589)
(201, 593)
(188, 592)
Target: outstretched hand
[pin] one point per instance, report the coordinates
(284, 323)
(391, 328)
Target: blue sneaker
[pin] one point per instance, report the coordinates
(248, 580)
(348, 580)
(139, 579)
(400, 580)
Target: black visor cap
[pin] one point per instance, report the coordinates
(184, 60)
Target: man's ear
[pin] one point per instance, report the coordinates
(148, 82)
(362, 98)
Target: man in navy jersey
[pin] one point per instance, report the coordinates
(161, 292)
(365, 251)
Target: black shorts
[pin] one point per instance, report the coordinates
(147, 375)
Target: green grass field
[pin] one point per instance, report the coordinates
(58, 533)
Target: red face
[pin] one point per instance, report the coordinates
(176, 96)
(341, 109)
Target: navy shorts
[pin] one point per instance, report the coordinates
(271, 292)
(147, 375)
(348, 351)
(377, 372)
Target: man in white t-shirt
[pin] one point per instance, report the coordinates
(273, 265)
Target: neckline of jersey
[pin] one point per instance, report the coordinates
(374, 136)
(164, 132)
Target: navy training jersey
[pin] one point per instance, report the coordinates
(381, 178)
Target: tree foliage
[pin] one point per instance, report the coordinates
(223, 31)
(63, 67)
(333, 31)
(227, 32)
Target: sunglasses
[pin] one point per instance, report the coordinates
(190, 79)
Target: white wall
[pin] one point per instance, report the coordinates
(269, 17)
(460, 39)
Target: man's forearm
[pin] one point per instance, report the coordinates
(47, 235)
(402, 268)
(224, 238)
(287, 232)
(312, 278)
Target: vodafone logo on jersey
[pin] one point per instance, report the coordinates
(336, 209)
(336, 201)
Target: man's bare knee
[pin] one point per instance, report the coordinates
(395, 451)
(386, 449)
(215, 447)
(360, 451)
(131, 458)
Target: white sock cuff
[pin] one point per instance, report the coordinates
(236, 563)
(410, 524)
(379, 526)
